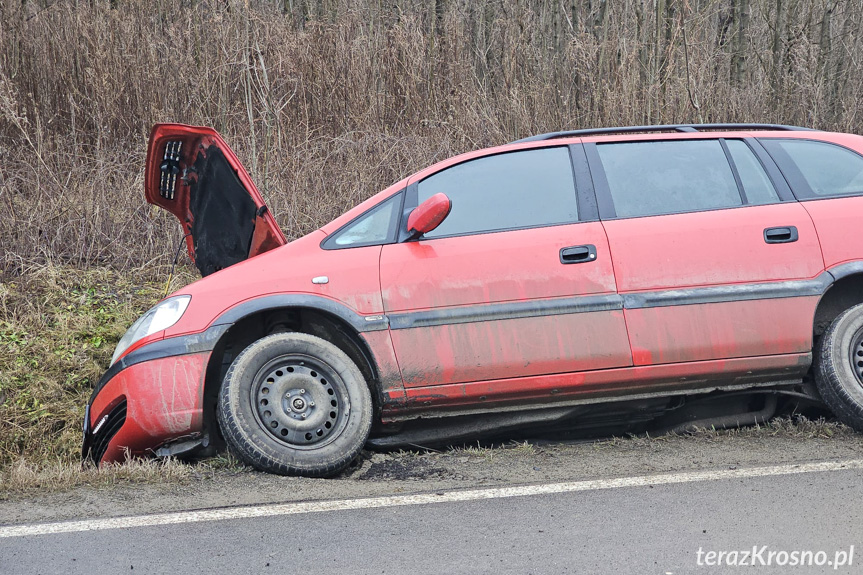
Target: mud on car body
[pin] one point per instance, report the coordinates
(582, 278)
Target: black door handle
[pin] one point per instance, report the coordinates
(578, 254)
(780, 235)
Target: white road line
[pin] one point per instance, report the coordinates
(296, 508)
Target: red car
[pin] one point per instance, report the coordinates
(577, 278)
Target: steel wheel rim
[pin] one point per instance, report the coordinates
(300, 401)
(855, 355)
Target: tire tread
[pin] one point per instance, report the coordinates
(238, 441)
(829, 374)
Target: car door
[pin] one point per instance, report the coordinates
(827, 177)
(713, 257)
(513, 283)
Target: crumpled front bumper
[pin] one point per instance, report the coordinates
(151, 397)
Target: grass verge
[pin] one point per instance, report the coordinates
(58, 329)
(27, 479)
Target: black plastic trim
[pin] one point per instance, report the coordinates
(506, 310)
(358, 322)
(845, 270)
(773, 173)
(729, 293)
(661, 128)
(578, 254)
(792, 174)
(771, 235)
(410, 204)
(600, 183)
(104, 431)
(736, 174)
(587, 208)
(593, 303)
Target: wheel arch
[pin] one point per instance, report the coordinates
(844, 292)
(314, 315)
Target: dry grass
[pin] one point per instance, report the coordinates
(331, 103)
(489, 452)
(58, 329)
(796, 426)
(27, 479)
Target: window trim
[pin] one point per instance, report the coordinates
(734, 173)
(328, 243)
(780, 184)
(588, 209)
(605, 201)
(792, 174)
(412, 199)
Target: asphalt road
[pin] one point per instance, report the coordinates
(638, 530)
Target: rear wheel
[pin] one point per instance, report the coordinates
(295, 404)
(839, 367)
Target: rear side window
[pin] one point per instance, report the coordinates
(830, 170)
(652, 178)
(522, 189)
(757, 185)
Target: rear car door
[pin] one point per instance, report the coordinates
(713, 257)
(516, 281)
(827, 178)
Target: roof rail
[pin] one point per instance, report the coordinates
(663, 128)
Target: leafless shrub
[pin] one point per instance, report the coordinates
(329, 101)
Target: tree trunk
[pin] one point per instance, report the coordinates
(843, 55)
(824, 42)
(738, 61)
(778, 46)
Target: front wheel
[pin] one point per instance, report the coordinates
(839, 367)
(295, 404)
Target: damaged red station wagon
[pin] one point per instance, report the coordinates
(575, 279)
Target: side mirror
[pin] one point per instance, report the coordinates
(428, 215)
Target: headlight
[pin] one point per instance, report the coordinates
(163, 316)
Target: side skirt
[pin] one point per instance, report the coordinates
(601, 386)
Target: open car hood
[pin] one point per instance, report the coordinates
(192, 173)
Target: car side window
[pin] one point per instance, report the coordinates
(756, 183)
(653, 178)
(377, 226)
(830, 170)
(523, 189)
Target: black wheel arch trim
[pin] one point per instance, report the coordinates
(845, 270)
(374, 322)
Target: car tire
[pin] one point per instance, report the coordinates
(839, 367)
(295, 404)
